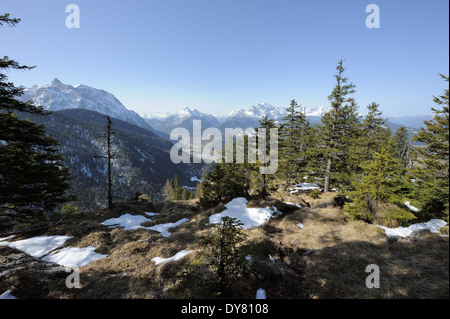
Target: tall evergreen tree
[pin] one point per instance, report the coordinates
(338, 129)
(376, 196)
(401, 147)
(295, 134)
(33, 179)
(375, 133)
(267, 124)
(433, 158)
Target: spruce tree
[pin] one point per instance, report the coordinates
(33, 179)
(374, 133)
(338, 131)
(433, 173)
(266, 123)
(377, 195)
(401, 147)
(295, 135)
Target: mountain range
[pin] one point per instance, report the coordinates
(141, 143)
(57, 96)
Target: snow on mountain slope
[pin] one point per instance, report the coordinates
(58, 96)
(184, 118)
(258, 111)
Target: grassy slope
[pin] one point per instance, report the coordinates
(335, 269)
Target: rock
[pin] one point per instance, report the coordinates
(265, 269)
(26, 276)
(311, 251)
(416, 234)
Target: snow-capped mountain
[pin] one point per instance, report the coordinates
(317, 110)
(184, 119)
(58, 96)
(258, 111)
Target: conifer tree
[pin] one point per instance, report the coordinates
(433, 173)
(374, 133)
(176, 188)
(295, 134)
(379, 187)
(267, 124)
(401, 147)
(223, 250)
(33, 179)
(338, 130)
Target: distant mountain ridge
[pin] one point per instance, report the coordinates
(141, 159)
(58, 96)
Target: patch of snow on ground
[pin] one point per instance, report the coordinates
(260, 294)
(237, 208)
(163, 228)
(289, 203)
(271, 258)
(150, 214)
(38, 246)
(276, 212)
(6, 238)
(127, 221)
(74, 256)
(433, 225)
(412, 208)
(130, 222)
(7, 295)
(303, 187)
(177, 256)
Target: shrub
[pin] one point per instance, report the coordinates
(314, 194)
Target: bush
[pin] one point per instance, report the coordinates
(69, 210)
(314, 194)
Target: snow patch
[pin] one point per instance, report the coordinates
(260, 294)
(74, 256)
(7, 295)
(250, 217)
(289, 203)
(38, 246)
(127, 221)
(177, 256)
(6, 238)
(412, 208)
(163, 228)
(433, 225)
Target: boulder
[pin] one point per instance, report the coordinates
(265, 269)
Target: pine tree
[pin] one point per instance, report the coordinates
(167, 191)
(267, 124)
(338, 131)
(176, 189)
(433, 173)
(185, 194)
(401, 147)
(33, 179)
(295, 135)
(213, 186)
(374, 133)
(376, 196)
(223, 250)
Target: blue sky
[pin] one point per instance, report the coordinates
(219, 55)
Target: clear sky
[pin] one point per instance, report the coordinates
(219, 55)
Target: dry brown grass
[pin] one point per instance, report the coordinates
(334, 269)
